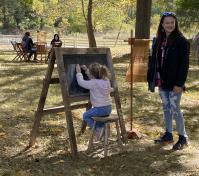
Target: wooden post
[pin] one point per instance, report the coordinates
(138, 52)
(131, 89)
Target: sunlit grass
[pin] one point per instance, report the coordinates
(20, 87)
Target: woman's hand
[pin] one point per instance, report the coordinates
(177, 89)
(78, 69)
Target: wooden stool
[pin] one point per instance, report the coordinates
(106, 120)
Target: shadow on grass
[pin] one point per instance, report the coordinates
(150, 161)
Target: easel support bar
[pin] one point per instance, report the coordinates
(62, 108)
(52, 80)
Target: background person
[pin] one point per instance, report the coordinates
(29, 46)
(168, 68)
(56, 42)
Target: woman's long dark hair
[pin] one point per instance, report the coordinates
(54, 40)
(27, 33)
(57, 37)
(161, 33)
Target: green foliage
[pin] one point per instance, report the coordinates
(14, 13)
(188, 12)
(108, 15)
(66, 15)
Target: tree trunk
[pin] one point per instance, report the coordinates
(17, 20)
(143, 16)
(41, 26)
(5, 20)
(90, 31)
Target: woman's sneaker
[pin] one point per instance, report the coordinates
(167, 138)
(182, 143)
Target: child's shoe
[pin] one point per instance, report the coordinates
(182, 143)
(167, 138)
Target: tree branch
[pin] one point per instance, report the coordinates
(83, 11)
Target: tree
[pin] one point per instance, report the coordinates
(111, 15)
(143, 15)
(188, 12)
(89, 23)
(12, 13)
(106, 15)
(6, 9)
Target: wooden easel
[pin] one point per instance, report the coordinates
(137, 72)
(59, 54)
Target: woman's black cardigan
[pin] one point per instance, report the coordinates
(175, 66)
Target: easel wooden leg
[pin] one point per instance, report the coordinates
(121, 120)
(66, 101)
(84, 124)
(117, 102)
(90, 144)
(106, 140)
(83, 127)
(41, 104)
(119, 141)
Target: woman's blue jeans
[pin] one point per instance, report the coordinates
(96, 112)
(171, 108)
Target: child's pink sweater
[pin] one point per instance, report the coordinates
(99, 90)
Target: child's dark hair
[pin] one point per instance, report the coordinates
(99, 71)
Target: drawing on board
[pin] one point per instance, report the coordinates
(74, 88)
(70, 61)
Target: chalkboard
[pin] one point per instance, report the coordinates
(70, 61)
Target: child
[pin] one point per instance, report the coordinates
(100, 88)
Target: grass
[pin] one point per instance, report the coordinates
(20, 87)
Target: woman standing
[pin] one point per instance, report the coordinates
(56, 42)
(168, 68)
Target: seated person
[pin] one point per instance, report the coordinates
(56, 42)
(29, 46)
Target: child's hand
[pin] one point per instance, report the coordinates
(83, 67)
(78, 69)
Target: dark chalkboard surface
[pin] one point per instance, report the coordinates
(70, 61)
